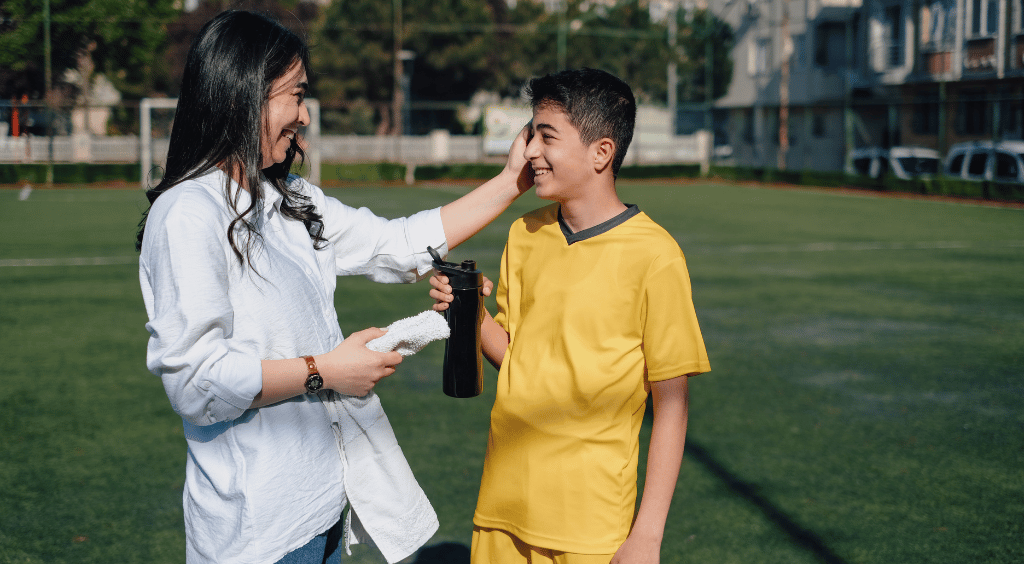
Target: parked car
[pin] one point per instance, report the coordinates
(901, 161)
(1001, 161)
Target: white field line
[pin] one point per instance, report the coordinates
(72, 261)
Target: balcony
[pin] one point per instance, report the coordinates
(980, 56)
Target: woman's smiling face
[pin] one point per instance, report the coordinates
(285, 113)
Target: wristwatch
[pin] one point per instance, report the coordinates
(314, 381)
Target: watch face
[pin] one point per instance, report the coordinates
(314, 383)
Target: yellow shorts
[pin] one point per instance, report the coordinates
(495, 546)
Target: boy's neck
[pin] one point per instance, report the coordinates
(591, 208)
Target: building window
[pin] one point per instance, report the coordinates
(893, 23)
(818, 128)
(926, 116)
(748, 126)
(984, 18)
(757, 61)
(1011, 114)
(799, 47)
(830, 46)
(974, 114)
(939, 19)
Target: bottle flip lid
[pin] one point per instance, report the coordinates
(467, 268)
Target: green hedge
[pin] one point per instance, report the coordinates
(939, 186)
(468, 171)
(74, 173)
(81, 173)
(361, 172)
(660, 171)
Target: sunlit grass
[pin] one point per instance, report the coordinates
(864, 405)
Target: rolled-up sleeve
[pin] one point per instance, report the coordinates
(184, 279)
(383, 250)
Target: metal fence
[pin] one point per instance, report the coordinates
(73, 139)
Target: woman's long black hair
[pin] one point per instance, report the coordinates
(220, 117)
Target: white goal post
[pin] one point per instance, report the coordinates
(146, 145)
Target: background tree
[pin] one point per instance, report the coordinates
(296, 15)
(696, 31)
(623, 40)
(122, 39)
(452, 41)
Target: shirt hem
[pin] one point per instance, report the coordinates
(686, 370)
(540, 541)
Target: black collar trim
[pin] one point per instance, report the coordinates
(570, 237)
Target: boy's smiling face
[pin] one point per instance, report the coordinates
(558, 157)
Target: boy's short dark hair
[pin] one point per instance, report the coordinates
(595, 102)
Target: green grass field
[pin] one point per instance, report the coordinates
(866, 403)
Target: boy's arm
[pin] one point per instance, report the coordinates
(494, 340)
(668, 435)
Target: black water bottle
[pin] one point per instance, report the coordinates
(463, 374)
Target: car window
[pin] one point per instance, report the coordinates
(976, 166)
(955, 165)
(1006, 166)
(919, 165)
(862, 165)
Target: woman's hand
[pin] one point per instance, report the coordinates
(517, 162)
(352, 369)
(442, 292)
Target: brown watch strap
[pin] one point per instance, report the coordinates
(314, 381)
(311, 365)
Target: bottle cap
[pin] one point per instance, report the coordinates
(460, 276)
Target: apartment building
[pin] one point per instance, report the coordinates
(954, 67)
(815, 78)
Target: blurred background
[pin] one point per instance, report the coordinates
(901, 88)
(866, 404)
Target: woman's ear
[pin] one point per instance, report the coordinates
(604, 154)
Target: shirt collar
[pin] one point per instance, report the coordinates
(271, 197)
(570, 237)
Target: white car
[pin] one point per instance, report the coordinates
(1001, 161)
(901, 161)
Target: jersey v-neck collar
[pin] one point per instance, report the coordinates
(570, 237)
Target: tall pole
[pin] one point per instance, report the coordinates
(397, 94)
(848, 96)
(563, 32)
(672, 70)
(787, 50)
(48, 85)
(709, 82)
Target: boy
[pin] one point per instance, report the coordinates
(594, 312)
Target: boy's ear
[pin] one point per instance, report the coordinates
(603, 153)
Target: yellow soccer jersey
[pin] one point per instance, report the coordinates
(592, 318)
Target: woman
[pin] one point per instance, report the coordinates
(237, 267)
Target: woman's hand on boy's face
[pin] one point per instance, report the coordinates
(517, 158)
(442, 292)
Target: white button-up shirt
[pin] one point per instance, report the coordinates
(259, 483)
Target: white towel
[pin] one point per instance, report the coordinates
(407, 336)
(389, 509)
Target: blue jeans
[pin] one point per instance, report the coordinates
(325, 548)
